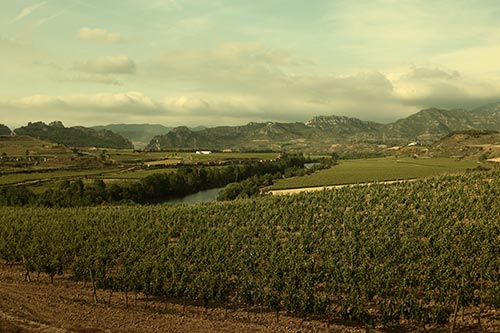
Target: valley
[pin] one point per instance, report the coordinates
(357, 213)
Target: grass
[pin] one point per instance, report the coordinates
(135, 174)
(124, 155)
(226, 156)
(23, 177)
(18, 145)
(376, 169)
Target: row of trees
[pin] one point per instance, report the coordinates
(154, 188)
(252, 186)
(415, 251)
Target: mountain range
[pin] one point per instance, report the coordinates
(139, 134)
(323, 132)
(320, 134)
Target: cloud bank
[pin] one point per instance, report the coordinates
(368, 95)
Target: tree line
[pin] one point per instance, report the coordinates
(151, 189)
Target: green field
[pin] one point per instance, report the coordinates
(135, 174)
(18, 145)
(54, 175)
(376, 169)
(229, 156)
(60, 158)
(126, 155)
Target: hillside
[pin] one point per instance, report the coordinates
(77, 136)
(4, 130)
(344, 126)
(253, 136)
(473, 145)
(431, 124)
(139, 134)
(20, 153)
(18, 145)
(324, 133)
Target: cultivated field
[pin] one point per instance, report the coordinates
(409, 256)
(376, 169)
(33, 162)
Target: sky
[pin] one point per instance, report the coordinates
(229, 62)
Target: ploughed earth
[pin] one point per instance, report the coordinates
(69, 306)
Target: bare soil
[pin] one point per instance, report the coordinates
(332, 187)
(68, 306)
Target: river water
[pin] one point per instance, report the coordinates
(198, 197)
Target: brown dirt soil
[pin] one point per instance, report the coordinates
(68, 306)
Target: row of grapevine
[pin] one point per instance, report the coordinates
(382, 253)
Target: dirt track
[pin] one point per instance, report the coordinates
(332, 187)
(67, 306)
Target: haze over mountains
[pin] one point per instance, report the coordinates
(318, 134)
(321, 132)
(139, 134)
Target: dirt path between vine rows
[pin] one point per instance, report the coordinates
(68, 306)
(333, 187)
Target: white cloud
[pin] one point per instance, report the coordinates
(26, 11)
(117, 103)
(83, 109)
(108, 65)
(99, 35)
(245, 80)
(439, 87)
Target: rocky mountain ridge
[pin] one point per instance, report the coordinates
(323, 132)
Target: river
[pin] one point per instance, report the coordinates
(198, 197)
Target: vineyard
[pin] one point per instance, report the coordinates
(376, 169)
(416, 252)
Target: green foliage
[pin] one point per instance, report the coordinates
(157, 186)
(475, 133)
(4, 130)
(376, 169)
(375, 254)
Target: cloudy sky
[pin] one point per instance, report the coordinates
(213, 62)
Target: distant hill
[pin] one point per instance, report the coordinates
(474, 145)
(4, 130)
(139, 134)
(323, 133)
(431, 124)
(77, 136)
